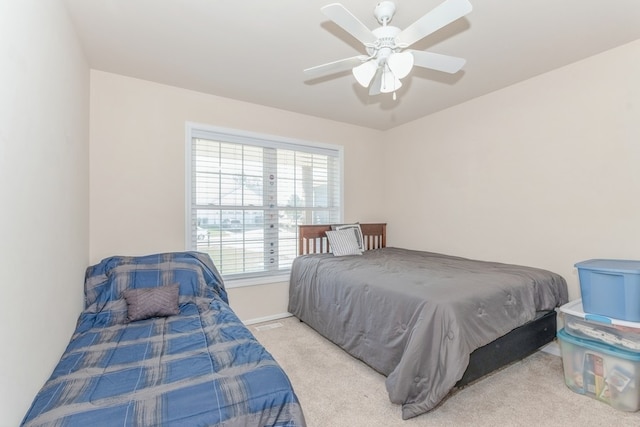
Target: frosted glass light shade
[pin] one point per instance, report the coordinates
(400, 64)
(365, 72)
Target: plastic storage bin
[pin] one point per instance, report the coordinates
(610, 287)
(601, 371)
(621, 334)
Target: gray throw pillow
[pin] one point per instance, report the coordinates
(145, 303)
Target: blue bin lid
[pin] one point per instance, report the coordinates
(613, 265)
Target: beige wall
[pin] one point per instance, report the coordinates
(138, 176)
(44, 219)
(543, 173)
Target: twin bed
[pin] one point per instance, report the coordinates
(428, 322)
(158, 344)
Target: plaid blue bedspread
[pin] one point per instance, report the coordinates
(202, 367)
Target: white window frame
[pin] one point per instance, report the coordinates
(195, 130)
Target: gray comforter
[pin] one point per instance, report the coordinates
(417, 316)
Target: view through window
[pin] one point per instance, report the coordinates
(248, 194)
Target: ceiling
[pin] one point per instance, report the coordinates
(255, 50)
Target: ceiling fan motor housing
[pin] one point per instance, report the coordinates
(384, 11)
(386, 41)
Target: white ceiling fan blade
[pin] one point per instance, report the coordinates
(437, 18)
(336, 66)
(348, 22)
(436, 61)
(400, 63)
(374, 89)
(365, 72)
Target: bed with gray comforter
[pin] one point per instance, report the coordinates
(416, 316)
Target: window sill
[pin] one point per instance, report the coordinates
(255, 281)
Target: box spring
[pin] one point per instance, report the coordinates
(514, 346)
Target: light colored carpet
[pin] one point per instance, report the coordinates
(337, 390)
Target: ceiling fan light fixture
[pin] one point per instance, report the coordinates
(364, 72)
(400, 63)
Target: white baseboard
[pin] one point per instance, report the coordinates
(266, 319)
(552, 348)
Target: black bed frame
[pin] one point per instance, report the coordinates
(509, 348)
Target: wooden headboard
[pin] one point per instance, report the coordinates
(312, 240)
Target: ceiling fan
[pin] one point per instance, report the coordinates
(388, 60)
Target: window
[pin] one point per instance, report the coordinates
(247, 193)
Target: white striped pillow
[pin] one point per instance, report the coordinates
(357, 230)
(343, 242)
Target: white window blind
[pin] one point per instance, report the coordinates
(248, 193)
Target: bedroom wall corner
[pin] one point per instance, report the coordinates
(44, 220)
